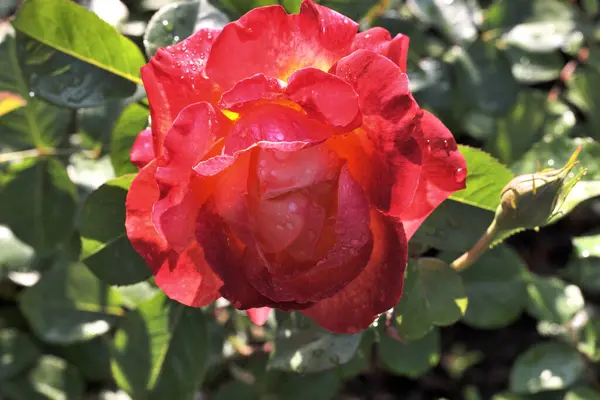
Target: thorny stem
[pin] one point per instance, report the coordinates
(482, 245)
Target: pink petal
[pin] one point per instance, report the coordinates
(378, 287)
(380, 41)
(174, 78)
(142, 151)
(444, 171)
(384, 157)
(193, 134)
(259, 315)
(268, 41)
(185, 276)
(325, 97)
(342, 263)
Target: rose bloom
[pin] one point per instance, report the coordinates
(287, 166)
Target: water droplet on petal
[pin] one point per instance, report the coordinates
(279, 136)
(460, 175)
(292, 207)
(355, 242)
(262, 163)
(289, 225)
(279, 227)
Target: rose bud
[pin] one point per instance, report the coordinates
(289, 166)
(531, 201)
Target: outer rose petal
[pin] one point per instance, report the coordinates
(195, 131)
(175, 78)
(142, 151)
(325, 97)
(385, 158)
(183, 277)
(377, 289)
(269, 41)
(257, 87)
(380, 41)
(444, 171)
(344, 261)
(259, 315)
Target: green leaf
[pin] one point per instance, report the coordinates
(66, 81)
(133, 120)
(14, 254)
(580, 91)
(37, 124)
(582, 393)
(411, 359)
(541, 36)
(454, 226)
(485, 78)
(51, 379)
(91, 358)
(69, 304)
(302, 346)
(17, 352)
(431, 83)
(106, 250)
(136, 294)
(495, 289)
(433, 294)
(546, 366)
(516, 132)
(457, 19)
(175, 22)
(361, 358)
(529, 67)
(553, 300)
(77, 32)
(236, 390)
(161, 350)
(485, 180)
(584, 266)
(588, 339)
(38, 204)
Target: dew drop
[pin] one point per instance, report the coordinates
(279, 227)
(289, 225)
(460, 175)
(355, 242)
(165, 22)
(273, 173)
(279, 136)
(262, 163)
(292, 207)
(31, 94)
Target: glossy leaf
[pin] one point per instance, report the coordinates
(529, 67)
(66, 81)
(301, 346)
(37, 123)
(412, 359)
(584, 266)
(69, 304)
(433, 295)
(77, 32)
(160, 350)
(580, 91)
(553, 300)
(485, 181)
(546, 366)
(175, 22)
(458, 19)
(131, 122)
(38, 204)
(106, 250)
(495, 289)
(17, 352)
(14, 254)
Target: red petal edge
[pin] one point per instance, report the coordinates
(377, 289)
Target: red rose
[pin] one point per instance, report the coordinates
(287, 166)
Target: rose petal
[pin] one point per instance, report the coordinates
(257, 87)
(325, 97)
(280, 172)
(343, 262)
(193, 133)
(183, 277)
(385, 157)
(226, 255)
(270, 126)
(269, 41)
(380, 41)
(174, 78)
(377, 289)
(444, 171)
(142, 151)
(259, 315)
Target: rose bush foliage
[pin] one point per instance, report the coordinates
(287, 166)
